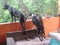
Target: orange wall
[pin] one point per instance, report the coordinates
(50, 24)
(59, 21)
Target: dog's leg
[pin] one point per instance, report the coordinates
(12, 18)
(39, 33)
(44, 35)
(23, 25)
(41, 37)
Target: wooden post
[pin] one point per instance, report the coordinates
(59, 11)
(58, 6)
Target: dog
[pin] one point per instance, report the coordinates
(37, 21)
(41, 29)
(16, 13)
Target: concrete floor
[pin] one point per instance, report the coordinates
(35, 41)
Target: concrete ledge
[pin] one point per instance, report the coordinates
(10, 41)
(54, 35)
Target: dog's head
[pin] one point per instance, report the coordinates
(5, 6)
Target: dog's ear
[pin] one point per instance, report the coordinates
(5, 6)
(30, 14)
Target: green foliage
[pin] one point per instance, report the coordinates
(33, 6)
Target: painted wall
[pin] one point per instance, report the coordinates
(59, 22)
(50, 24)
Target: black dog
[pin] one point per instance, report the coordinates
(39, 24)
(15, 13)
(39, 18)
